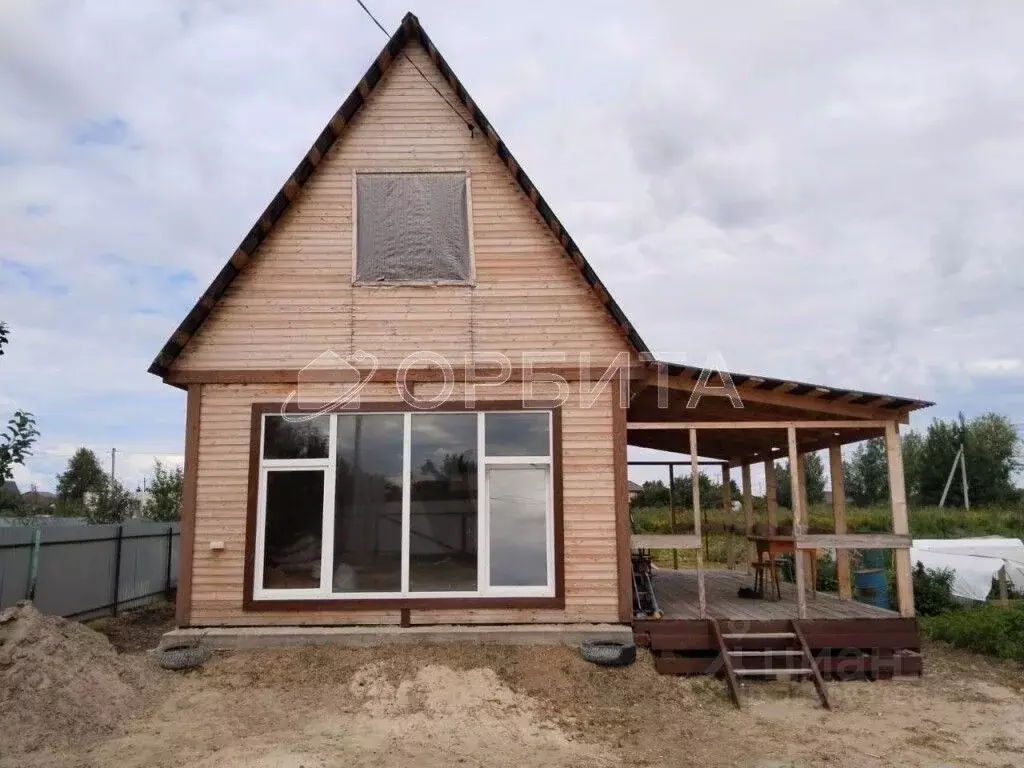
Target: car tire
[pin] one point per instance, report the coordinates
(608, 653)
(179, 657)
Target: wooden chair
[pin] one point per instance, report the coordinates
(766, 562)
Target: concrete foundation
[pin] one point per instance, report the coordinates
(237, 638)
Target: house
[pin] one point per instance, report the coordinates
(40, 502)
(635, 489)
(410, 396)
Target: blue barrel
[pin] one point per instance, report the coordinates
(873, 558)
(871, 587)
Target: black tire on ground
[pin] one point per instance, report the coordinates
(608, 653)
(182, 656)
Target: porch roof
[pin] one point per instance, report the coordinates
(773, 404)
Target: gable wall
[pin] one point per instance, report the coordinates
(295, 299)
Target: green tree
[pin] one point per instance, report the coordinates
(941, 444)
(991, 459)
(110, 503)
(815, 478)
(913, 455)
(82, 476)
(17, 439)
(164, 503)
(815, 481)
(866, 474)
(11, 504)
(990, 443)
(653, 493)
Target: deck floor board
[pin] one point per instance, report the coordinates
(677, 596)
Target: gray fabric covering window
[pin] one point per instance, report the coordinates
(411, 227)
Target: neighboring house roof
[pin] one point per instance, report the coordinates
(10, 486)
(39, 496)
(411, 29)
(635, 486)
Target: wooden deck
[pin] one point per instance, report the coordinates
(677, 596)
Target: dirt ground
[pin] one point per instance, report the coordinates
(480, 706)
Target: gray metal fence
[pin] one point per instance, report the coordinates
(89, 570)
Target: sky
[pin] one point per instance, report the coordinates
(828, 191)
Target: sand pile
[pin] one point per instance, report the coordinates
(442, 717)
(61, 682)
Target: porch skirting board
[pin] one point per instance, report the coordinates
(238, 638)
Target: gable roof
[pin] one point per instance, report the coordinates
(410, 29)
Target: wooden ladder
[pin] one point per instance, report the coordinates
(734, 649)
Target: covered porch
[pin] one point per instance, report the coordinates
(744, 424)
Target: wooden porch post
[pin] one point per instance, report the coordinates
(835, 468)
(900, 520)
(695, 482)
(798, 521)
(748, 513)
(672, 512)
(771, 496)
(730, 559)
(806, 507)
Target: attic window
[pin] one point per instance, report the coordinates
(412, 228)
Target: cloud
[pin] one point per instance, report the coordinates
(109, 132)
(827, 191)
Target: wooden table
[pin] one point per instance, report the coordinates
(776, 545)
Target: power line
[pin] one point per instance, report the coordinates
(451, 106)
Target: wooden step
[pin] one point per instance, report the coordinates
(772, 672)
(760, 636)
(766, 653)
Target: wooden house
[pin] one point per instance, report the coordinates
(480, 475)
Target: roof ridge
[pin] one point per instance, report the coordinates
(410, 28)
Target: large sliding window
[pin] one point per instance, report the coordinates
(385, 505)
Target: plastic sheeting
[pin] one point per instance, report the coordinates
(412, 227)
(974, 562)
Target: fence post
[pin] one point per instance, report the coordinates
(33, 564)
(117, 568)
(170, 552)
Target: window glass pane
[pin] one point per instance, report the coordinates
(412, 227)
(516, 434)
(293, 530)
(296, 438)
(518, 502)
(368, 504)
(443, 503)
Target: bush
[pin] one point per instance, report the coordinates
(991, 629)
(933, 591)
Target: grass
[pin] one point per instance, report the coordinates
(925, 522)
(991, 629)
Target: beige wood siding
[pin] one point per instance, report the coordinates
(221, 502)
(295, 299)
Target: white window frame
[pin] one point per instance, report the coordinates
(469, 227)
(259, 592)
(329, 467)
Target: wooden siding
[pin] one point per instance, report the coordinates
(295, 299)
(588, 513)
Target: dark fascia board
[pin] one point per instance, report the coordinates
(410, 29)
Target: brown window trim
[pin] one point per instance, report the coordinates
(250, 604)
